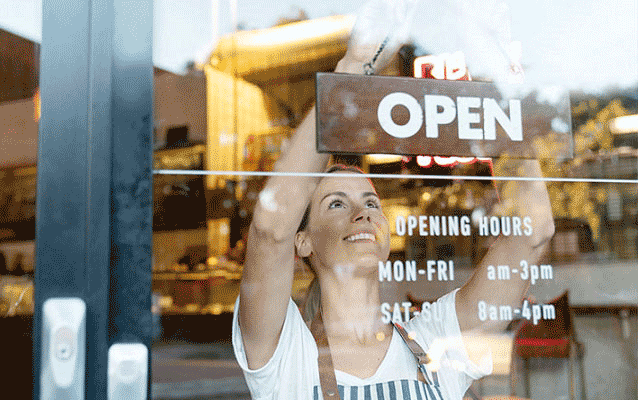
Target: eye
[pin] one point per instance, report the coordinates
(372, 204)
(336, 204)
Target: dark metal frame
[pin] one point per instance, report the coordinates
(94, 206)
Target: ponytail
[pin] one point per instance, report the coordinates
(312, 302)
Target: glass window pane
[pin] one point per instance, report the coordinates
(19, 116)
(234, 82)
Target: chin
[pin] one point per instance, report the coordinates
(359, 263)
(368, 264)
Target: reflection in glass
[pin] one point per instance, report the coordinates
(254, 100)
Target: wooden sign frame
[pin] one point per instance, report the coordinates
(359, 114)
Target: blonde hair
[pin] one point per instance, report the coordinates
(312, 302)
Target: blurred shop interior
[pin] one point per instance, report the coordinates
(237, 111)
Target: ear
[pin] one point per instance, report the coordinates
(302, 244)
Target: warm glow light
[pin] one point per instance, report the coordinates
(429, 67)
(424, 161)
(427, 161)
(216, 309)
(624, 125)
(445, 161)
(191, 308)
(306, 31)
(444, 66)
(165, 302)
(36, 106)
(382, 158)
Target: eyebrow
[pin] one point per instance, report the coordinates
(342, 194)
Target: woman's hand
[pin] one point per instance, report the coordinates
(382, 27)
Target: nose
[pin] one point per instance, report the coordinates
(362, 215)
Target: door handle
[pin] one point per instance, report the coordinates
(63, 349)
(127, 371)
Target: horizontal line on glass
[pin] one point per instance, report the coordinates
(391, 176)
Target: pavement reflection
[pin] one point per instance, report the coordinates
(196, 371)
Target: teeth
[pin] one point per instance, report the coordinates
(361, 236)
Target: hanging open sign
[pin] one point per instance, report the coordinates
(359, 114)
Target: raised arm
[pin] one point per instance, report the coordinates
(268, 271)
(521, 199)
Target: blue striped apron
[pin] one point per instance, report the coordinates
(393, 390)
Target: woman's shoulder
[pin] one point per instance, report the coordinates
(293, 362)
(293, 332)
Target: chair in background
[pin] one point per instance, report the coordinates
(551, 338)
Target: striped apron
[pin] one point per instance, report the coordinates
(393, 390)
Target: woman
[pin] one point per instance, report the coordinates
(343, 237)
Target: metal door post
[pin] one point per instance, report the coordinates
(94, 207)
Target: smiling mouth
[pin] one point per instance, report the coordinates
(361, 236)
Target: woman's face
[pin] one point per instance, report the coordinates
(346, 230)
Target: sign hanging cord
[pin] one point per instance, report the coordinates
(368, 68)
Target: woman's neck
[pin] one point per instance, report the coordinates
(351, 309)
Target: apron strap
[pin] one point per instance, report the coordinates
(422, 358)
(327, 377)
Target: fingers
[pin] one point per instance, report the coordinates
(382, 27)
